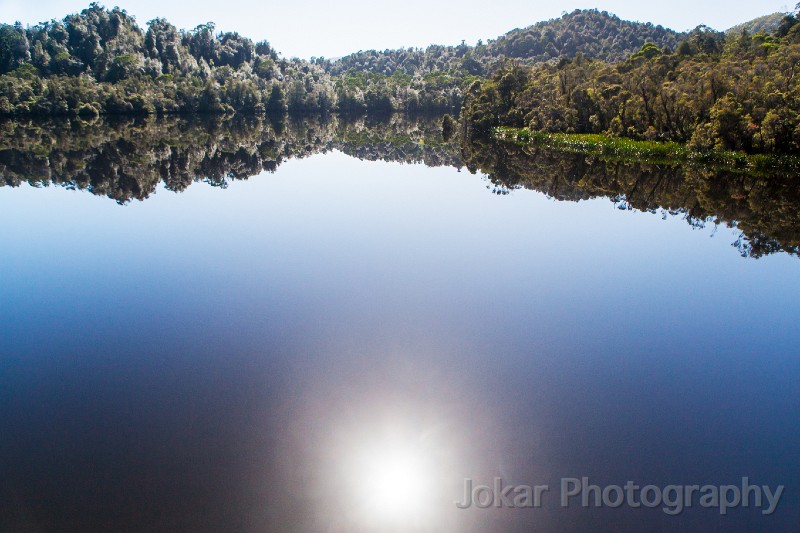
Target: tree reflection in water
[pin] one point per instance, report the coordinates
(127, 159)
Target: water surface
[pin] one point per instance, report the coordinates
(337, 341)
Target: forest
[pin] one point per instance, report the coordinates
(586, 72)
(100, 61)
(713, 92)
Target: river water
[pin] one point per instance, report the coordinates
(339, 327)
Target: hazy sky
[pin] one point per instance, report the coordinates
(306, 28)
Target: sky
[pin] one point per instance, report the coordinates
(306, 28)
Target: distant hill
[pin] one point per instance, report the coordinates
(767, 24)
(596, 34)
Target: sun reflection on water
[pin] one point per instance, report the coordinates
(387, 451)
(393, 483)
(396, 476)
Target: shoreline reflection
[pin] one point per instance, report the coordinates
(127, 159)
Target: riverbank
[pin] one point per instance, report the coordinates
(647, 151)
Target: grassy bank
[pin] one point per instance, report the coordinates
(647, 151)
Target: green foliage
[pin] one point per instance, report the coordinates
(741, 94)
(648, 151)
(435, 78)
(276, 104)
(648, 51)
(26, 71)
(122, 67)
(13, 47)
(448, 127)
(553, 76)
(101, 60)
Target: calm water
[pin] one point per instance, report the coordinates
(337, 342)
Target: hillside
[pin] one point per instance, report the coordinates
(767, 24)
(711, 93)
(595, 34)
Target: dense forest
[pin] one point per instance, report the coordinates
(594, 34)
(586, 72)
(712, 92)
(445, 71)
(101, 61)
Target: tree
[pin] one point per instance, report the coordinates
(13, 47)
(276, 103)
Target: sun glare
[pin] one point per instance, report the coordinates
(393, 484)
